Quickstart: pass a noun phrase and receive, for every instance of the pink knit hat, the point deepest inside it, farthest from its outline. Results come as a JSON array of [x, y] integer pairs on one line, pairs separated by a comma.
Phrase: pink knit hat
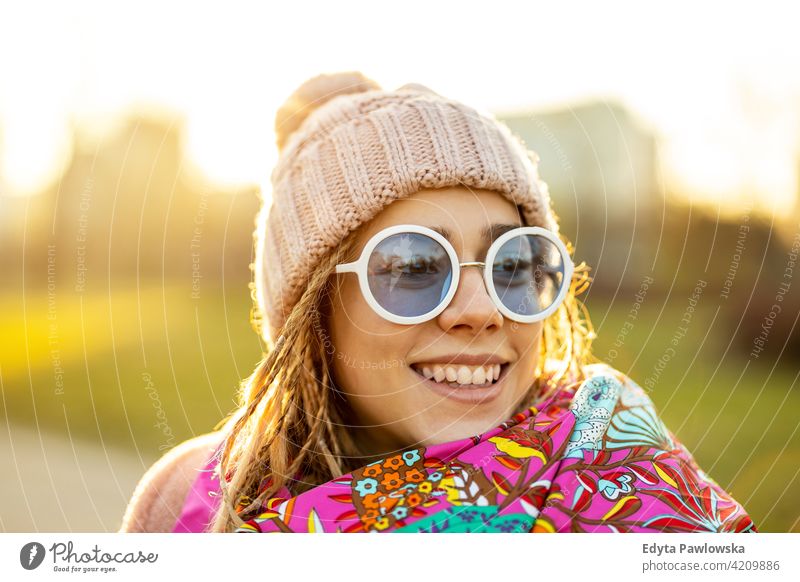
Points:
[[348, 149]]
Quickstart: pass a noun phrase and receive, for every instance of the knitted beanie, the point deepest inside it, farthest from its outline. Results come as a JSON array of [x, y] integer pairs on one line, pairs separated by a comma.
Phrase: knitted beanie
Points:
[[349, 148]]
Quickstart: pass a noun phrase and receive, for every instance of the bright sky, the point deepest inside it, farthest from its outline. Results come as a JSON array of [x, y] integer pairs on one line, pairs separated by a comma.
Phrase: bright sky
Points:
[[721, 88]]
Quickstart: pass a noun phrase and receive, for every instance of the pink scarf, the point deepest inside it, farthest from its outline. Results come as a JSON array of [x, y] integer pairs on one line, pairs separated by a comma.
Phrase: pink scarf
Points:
[[593, 457]]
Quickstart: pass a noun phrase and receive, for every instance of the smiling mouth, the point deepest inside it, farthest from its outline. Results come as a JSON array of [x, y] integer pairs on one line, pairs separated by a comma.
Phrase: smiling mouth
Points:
[[462, 376]]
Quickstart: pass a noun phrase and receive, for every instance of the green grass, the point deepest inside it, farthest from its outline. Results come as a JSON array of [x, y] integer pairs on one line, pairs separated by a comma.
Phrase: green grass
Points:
[[737, 418], [130, 361]]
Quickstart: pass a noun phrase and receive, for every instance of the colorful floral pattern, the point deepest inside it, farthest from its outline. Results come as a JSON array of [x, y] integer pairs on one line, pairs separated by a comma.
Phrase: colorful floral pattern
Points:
[[594, 457]]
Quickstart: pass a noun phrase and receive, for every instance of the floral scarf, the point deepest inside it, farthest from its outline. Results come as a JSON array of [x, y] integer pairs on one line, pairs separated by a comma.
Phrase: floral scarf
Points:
[[593, 457]]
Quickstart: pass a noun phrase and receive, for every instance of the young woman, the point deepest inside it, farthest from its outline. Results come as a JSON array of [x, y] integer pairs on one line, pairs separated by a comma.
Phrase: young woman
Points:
[[428, 364]]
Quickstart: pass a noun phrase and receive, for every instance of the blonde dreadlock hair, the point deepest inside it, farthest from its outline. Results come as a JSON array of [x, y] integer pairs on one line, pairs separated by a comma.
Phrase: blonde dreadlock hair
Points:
[[292, 419]]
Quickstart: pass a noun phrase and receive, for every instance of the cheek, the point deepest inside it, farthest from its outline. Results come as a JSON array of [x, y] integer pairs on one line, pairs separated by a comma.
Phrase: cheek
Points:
[[530, 337], [526, 341], [351, 316], [367, 349]]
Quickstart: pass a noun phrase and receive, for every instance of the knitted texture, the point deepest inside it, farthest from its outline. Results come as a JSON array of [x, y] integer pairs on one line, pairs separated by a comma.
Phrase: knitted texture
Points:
[[358, 148]]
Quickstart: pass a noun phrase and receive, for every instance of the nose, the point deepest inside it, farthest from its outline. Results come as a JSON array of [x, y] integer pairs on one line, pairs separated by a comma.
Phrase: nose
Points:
[[471, 309]]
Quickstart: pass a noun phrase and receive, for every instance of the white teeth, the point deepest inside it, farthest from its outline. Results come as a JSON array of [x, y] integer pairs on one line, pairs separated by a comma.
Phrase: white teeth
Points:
[[462, 375]]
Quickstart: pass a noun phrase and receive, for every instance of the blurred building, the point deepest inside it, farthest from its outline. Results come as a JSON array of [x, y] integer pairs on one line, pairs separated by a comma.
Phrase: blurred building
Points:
[[601, 167], [129, 206]]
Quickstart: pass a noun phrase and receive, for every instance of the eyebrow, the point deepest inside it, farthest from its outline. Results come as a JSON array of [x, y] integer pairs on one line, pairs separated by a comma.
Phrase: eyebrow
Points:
[[488, 233]]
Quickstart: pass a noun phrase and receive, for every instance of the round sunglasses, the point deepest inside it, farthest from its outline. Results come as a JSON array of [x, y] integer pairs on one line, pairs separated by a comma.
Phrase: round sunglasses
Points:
[[409, 273]]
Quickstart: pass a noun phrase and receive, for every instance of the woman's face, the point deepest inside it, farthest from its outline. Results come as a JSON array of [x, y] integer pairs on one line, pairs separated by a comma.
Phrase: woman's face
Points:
[[380, 365]]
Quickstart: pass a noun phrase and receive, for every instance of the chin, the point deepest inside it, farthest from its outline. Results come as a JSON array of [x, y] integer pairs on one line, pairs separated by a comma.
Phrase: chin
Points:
[[464, 426]]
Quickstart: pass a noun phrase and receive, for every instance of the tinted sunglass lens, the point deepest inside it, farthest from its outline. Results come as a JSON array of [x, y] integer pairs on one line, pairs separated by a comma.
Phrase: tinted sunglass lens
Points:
[[409, 274], [528, 273]]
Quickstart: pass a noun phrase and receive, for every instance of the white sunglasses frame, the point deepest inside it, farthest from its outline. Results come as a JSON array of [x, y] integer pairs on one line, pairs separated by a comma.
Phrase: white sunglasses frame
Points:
[[359, 267]]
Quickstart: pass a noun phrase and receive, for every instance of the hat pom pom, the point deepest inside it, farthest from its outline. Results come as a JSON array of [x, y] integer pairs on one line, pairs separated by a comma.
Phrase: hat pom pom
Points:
[[311, 95]]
